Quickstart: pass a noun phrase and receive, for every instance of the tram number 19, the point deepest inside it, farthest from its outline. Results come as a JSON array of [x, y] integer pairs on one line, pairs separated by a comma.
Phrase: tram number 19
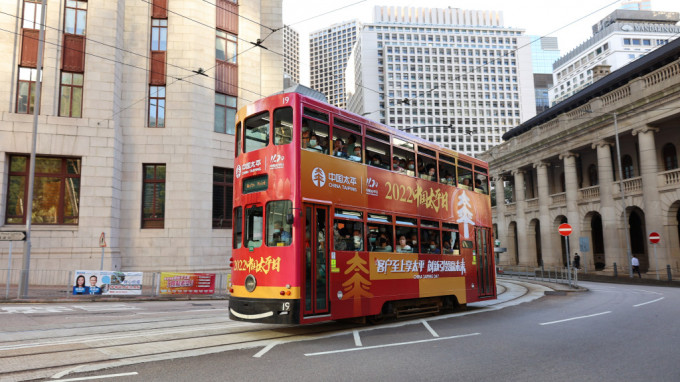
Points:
[[285, 306]]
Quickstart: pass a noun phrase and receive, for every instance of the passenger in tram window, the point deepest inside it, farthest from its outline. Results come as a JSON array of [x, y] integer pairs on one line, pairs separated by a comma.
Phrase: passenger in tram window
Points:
[[339, 239], [356, 156], [376, 161], [339, 148], [449, 180], [431, 173], [314, 143], [434, 248], [466, 182], [396, 166], [372, 241], [383, 246], [402, 246], [414, 240], [402, 163], [306, 134], [351, 144], [447, 248], [323, 142], [410, 168], [357, 241]]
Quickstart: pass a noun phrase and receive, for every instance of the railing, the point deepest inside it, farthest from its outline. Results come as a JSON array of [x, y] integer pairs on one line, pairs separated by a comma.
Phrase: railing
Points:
[[590, 193], [632, 186], [558, 199], [662, 74], [616, 95], [511, 207], [671, 177], [532, 204], [558, 275], [51, 284]]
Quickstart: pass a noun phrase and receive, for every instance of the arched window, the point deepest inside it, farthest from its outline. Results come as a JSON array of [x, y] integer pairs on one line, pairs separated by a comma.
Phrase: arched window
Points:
[[627, 165], [670, 158], [592, 175]]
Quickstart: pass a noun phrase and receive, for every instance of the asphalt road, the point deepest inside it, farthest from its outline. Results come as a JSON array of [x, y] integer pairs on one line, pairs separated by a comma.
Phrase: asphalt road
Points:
[[610, 333]]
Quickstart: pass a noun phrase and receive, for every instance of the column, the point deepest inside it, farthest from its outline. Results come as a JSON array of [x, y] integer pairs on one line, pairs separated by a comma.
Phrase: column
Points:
[[501, 224], [571, 185], [550, 258], [614, 252], [654, 217], [522, 250]]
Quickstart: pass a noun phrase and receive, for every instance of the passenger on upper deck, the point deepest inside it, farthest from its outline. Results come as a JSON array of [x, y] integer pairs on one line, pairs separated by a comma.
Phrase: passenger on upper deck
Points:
[[434, 248], [396, 167], [351, 143], [339, 148], [402, 246], [383, 246], [314, 143], [356, 156], [376, 161], [410, 168]]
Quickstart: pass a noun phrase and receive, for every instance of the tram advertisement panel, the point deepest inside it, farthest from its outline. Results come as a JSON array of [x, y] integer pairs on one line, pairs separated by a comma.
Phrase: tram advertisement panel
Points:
[[341, 181]]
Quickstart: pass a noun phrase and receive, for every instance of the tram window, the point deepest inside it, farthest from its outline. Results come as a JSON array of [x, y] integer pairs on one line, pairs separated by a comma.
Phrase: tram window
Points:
[[407, 239], [465, 175], [341, 145], [238, 228], [279, 232], [481, 183], [377, 135], [450, 242], [238, 139], [377, 153], [380, 233], [403, 160], [423, 150], [314, 136], [315, 114], [347, 125], [447, 173], [348, 235], [406, 221], [430, 242], [427, 168], [283, 126], [257, 132], [253, 236]]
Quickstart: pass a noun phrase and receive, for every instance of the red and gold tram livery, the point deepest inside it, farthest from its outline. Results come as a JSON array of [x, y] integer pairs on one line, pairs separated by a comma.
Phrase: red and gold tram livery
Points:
[[294, 259]]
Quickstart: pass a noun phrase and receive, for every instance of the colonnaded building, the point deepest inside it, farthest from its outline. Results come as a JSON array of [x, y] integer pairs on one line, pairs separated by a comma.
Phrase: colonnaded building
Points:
[[135, 132], [562, 166]]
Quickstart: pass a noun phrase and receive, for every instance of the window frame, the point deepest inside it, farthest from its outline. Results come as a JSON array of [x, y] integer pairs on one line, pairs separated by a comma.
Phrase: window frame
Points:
[[32, 88], [159, 100], [154, 222], [36, 17], [76, 12], [230, 44], [159, 43], [227, 183], [227, 107], [72, 87]]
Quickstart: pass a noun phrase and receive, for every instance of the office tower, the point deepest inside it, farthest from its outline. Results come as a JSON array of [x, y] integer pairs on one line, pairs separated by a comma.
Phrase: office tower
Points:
[[291, 60], [455, 77], [329, 49], [544, 52]]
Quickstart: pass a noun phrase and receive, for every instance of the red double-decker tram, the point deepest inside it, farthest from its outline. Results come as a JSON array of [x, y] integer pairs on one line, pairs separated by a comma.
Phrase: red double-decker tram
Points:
[[336, 216]]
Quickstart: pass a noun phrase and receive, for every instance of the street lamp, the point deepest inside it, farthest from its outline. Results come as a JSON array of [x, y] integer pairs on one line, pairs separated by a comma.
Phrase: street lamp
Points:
[[622, 189]]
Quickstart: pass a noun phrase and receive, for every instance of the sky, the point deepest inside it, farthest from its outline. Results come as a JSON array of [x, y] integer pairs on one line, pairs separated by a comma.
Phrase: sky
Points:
[[570, 21]]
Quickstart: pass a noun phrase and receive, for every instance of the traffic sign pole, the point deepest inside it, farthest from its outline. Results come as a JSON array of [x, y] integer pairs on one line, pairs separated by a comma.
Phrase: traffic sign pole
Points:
[[654, 239], [565, 230]]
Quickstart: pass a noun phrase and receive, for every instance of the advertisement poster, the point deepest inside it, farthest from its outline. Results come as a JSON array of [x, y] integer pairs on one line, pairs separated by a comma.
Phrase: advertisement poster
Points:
[[187, 283], [107, 283]]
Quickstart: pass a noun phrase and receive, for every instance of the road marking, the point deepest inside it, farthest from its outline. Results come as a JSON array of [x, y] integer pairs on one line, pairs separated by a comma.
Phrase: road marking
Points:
[[648, 302], [390, 345], [66, 372], [357, 339], [99, 377], [428, 327], [574, 318], [265, 350]]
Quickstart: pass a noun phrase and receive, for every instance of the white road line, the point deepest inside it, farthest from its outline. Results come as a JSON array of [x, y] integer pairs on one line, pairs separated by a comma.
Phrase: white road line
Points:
[[180, 311], [574, 318], [265, 350], [66, 372], [389, 345], [99, 377], [357, 339], [648, 302], [429, 328]]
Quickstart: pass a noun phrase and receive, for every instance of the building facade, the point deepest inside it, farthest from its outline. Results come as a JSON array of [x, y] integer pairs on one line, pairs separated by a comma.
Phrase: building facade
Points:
[[329, 50], [618, 39], [562, 166], [544, 51], [455, 77], [135, 131], [291, 60]]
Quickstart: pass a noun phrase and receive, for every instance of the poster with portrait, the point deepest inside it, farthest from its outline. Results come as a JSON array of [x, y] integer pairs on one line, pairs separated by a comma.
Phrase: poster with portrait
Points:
[[107, 283]]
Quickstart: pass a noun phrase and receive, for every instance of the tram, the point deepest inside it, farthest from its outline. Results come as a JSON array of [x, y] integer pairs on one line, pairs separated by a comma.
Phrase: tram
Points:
[[336, 217]]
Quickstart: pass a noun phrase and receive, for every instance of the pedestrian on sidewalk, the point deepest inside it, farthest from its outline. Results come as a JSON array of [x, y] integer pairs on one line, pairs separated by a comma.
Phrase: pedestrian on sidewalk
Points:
[[577, 261], [635, 263]]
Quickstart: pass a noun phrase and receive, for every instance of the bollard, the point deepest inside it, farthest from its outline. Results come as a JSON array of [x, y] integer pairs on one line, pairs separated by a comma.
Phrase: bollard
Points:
[[668, 270], [616, 272], [542, 278]]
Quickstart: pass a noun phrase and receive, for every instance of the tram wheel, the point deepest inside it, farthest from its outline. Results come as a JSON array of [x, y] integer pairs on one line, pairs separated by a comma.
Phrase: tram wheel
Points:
[[375, 320]]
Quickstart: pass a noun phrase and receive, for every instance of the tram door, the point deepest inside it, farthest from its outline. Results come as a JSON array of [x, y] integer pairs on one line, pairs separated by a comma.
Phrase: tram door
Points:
[[485, 271], [316, 259]]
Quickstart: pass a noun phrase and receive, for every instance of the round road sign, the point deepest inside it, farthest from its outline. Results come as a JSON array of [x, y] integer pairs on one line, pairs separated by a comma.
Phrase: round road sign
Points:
[[654, 237], [564, 229]]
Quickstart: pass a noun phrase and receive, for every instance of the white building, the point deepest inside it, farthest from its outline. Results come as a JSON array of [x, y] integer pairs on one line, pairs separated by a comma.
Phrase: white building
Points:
[[455, 77], [135, 132], [621, 37], [329, 50], [291, 52]]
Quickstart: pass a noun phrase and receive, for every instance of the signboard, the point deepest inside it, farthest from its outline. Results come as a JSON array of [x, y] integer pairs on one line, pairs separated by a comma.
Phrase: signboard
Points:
[[584, 244], [255, 184], [564, 229], [13, 236], [107, 283], [654, 237], [187, 283]]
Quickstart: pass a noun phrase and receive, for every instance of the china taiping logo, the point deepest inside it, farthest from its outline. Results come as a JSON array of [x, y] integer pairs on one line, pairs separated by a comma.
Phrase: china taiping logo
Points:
[[238, 171], [318, 177]]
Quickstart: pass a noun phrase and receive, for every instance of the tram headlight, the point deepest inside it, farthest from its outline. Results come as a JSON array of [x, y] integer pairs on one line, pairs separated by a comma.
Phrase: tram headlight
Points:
[[251, 283]]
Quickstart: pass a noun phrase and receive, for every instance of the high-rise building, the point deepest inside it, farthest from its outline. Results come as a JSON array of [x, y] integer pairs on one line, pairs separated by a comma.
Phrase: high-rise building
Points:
[[136, 128], [621, 37], [455, 77], [329, 50], [637, 5], [291, 59], [544, 52]]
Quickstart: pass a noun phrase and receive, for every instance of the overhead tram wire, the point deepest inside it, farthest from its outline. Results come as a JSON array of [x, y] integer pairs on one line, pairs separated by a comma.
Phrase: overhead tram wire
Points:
[[326, 13], [241, 16]]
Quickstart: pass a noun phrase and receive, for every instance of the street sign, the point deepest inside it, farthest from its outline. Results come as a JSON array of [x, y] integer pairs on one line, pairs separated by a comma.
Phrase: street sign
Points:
[[654, 237], [102, 240], [13, 236], [564, 229]]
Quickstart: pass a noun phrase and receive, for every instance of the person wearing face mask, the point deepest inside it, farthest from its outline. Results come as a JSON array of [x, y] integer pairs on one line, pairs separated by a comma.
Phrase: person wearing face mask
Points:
[[280, 234], [375, 161], [383, 246], [414, 240], [356, 155], [402, 246], [357, 241], [314, 143], [431, 172], [411, 167], [433, 248]]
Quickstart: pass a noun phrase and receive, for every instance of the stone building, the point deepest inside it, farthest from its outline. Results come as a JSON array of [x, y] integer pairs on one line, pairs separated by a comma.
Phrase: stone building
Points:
[[135, 132], [563, 166]]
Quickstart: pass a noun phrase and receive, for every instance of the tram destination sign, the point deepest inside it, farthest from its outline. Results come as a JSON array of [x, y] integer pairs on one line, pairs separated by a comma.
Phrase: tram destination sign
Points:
[[255, 184], [13, 236]]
